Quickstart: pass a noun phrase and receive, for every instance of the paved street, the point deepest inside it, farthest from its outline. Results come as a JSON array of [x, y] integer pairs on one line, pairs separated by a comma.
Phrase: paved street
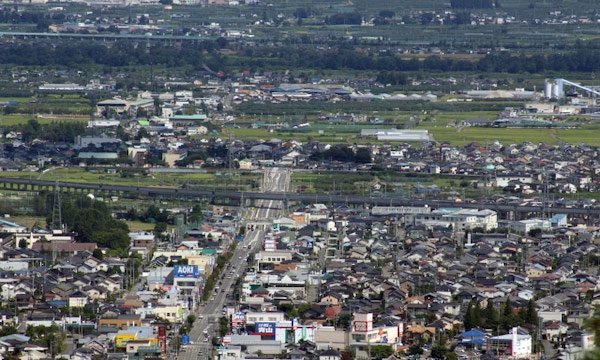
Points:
[[275, 180]]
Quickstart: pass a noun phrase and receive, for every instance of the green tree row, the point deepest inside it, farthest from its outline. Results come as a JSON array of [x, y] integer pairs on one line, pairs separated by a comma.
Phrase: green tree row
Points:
[[56, 131], [93, 222], [343, 153], [499, 319], [204, 53]]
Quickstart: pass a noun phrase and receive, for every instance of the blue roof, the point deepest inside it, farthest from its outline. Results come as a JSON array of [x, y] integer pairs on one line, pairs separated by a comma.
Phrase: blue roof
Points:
[[478, 341], [189, 117], [558, 217], [9, 224], [473, 333]]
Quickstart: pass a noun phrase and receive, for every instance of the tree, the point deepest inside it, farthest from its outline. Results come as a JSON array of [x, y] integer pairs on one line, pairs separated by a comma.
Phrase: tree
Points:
[[387, 13], [593, 324], [531, 316], [8, 330], [223, 326], [477, 314], [491, 315], [535, 232], [98, 254], [51, 337], [363, 156], [507, 320], [160, 228], [468, 319], [93, 222], [121, 134], [451, 355], [426, 18], [414, 350], [142, 133], [343, 320], [392, 78], [438, 352], [379, 352], [190, 320], [196, 214]]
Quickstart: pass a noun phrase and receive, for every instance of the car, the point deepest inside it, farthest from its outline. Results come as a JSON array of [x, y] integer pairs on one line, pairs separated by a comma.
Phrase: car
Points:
[[205, 340]]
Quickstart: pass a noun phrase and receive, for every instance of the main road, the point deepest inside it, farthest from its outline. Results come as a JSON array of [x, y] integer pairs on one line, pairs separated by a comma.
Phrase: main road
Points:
[[207, 321]]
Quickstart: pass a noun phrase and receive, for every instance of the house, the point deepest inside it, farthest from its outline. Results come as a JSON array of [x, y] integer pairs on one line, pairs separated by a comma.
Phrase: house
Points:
[[11, 227], [95, 292], [246, 164], [473, 338], [142, 239], [121, 321], [331, 299], [8, 318], [330, 354], [78, 299]]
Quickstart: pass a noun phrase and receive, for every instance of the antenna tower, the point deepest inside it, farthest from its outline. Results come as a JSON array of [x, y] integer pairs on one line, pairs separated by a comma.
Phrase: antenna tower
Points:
[[56, 209]]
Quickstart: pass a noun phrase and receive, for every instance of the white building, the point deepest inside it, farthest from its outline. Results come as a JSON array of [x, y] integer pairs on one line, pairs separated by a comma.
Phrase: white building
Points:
[[11, 227], [514, 344], [524, 226], [363, 333], [264, 317], [460, 219]]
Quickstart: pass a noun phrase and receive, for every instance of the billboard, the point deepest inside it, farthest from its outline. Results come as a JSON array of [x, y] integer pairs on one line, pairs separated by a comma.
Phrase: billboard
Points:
[[264, 328], [186, 271]]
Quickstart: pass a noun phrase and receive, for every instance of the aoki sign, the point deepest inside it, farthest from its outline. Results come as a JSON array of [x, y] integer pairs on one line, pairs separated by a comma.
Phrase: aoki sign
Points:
[[186, 271]]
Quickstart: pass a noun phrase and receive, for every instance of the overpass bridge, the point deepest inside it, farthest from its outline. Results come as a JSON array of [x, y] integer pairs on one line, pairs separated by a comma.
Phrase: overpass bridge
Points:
[[238, 197]]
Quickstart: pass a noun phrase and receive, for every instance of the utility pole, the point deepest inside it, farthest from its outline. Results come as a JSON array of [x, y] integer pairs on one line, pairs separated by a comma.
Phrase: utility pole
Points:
[[230, 144]]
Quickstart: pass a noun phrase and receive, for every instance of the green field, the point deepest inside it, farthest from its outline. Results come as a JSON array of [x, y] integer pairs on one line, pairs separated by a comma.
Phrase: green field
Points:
[[19, 119], [465, 136]]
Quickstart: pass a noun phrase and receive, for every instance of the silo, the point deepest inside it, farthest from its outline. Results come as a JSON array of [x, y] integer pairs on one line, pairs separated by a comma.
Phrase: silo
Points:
[[560, 92], [547, 89], [555, 93]]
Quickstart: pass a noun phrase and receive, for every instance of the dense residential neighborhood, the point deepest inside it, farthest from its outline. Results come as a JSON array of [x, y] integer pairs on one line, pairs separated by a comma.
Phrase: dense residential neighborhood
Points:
[[327, 280], [321, 180]]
